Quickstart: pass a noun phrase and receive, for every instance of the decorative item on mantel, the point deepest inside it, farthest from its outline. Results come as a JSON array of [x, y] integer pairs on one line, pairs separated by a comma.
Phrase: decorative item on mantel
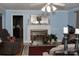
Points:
[[39, 19]]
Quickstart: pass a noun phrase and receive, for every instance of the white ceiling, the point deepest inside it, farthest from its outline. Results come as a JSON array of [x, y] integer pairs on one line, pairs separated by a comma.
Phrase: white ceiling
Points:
[[34, 6]]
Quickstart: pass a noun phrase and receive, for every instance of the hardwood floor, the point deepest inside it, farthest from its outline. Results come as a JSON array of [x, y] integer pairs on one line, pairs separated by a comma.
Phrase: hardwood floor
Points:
[[25, 50]]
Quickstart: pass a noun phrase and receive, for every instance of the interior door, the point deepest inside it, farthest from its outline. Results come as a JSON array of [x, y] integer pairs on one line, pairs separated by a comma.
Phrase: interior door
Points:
[[0, 21], [18, 31]]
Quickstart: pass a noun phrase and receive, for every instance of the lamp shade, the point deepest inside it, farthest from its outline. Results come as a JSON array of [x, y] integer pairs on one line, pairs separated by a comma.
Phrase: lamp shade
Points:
[[65, 30], [77, 31], [54, 8], [48, 9], [43, 9]]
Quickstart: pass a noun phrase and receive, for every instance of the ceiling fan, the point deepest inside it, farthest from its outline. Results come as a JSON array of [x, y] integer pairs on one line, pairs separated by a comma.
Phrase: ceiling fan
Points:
[[49, 7]]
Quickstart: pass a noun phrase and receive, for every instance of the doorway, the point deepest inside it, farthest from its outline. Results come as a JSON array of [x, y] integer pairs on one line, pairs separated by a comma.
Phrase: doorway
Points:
[[0, 21], [18, 31]]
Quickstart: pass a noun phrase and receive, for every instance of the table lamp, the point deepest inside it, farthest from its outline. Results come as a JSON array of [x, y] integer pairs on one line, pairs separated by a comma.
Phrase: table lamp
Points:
[[65, 31]]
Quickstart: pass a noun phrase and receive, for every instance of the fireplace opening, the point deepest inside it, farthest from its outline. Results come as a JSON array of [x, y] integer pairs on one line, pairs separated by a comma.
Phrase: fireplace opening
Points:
[[38, 36]]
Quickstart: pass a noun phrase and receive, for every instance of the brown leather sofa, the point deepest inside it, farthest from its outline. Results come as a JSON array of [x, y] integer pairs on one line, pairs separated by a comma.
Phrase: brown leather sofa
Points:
[[9, 45]]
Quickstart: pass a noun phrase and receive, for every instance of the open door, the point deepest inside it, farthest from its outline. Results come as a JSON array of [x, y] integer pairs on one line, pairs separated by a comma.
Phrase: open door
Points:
[[18, 31], [0, 21]]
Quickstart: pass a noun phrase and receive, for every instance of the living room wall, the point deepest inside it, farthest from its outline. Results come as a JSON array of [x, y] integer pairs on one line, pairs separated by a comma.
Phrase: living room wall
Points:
[[57, 22], [26, 17], [72, 16]]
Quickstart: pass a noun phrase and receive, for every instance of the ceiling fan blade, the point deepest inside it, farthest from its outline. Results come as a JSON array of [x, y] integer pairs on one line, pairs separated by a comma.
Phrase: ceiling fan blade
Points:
[[59, 4], [35, 4]]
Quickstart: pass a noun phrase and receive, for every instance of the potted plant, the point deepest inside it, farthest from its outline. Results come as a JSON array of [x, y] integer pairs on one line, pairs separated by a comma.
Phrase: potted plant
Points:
[[52, 37]]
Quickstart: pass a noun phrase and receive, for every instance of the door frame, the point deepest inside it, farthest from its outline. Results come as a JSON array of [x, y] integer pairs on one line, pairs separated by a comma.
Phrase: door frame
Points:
[[12, 23]]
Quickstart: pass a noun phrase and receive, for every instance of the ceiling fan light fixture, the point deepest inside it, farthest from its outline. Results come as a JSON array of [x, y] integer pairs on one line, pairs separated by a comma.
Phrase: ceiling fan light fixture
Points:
[[48, 9], [43, 9], [54, 8]]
